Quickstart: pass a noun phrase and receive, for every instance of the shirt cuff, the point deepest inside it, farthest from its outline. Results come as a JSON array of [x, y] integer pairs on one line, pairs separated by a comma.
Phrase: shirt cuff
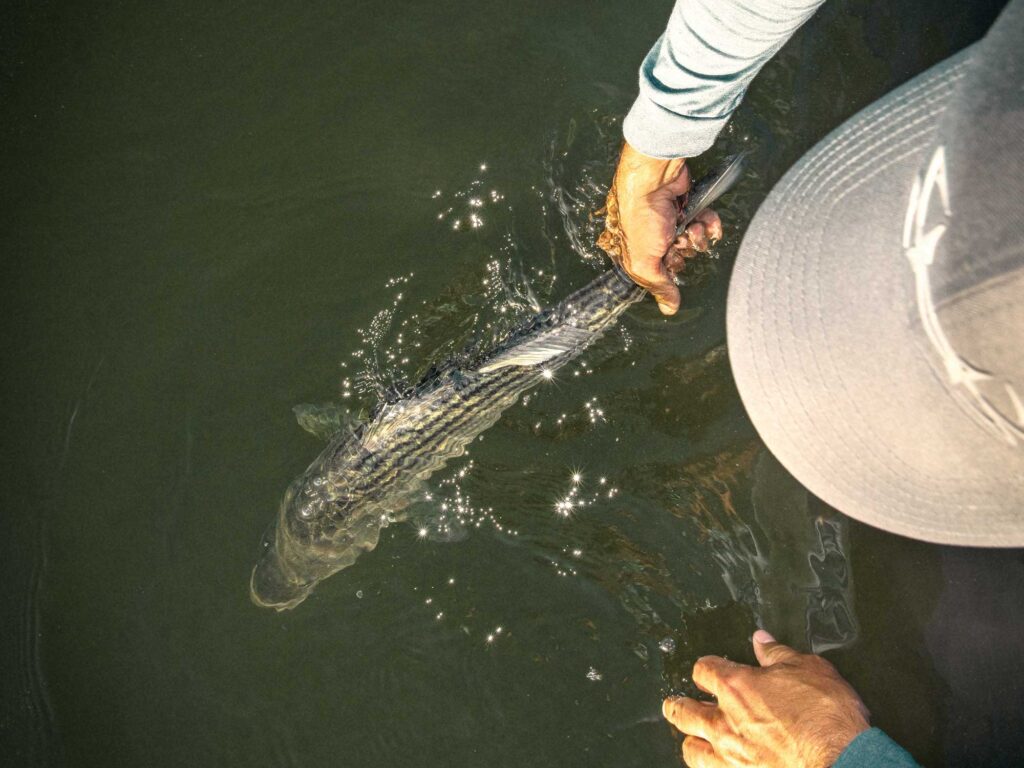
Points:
[[656, 132], [872, 748]]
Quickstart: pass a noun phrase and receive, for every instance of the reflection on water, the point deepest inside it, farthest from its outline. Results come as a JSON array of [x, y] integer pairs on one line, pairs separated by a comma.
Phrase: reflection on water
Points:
[[202, 206], [805, 581]]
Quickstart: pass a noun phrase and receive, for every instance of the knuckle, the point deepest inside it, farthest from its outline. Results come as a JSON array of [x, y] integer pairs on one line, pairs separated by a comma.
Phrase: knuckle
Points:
[[704, 666], [735, 681], [730, 744], [821, 665]]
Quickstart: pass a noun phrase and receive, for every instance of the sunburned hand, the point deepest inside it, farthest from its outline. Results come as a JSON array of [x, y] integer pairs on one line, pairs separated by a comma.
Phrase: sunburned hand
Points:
[[642, 213], [793, 712]]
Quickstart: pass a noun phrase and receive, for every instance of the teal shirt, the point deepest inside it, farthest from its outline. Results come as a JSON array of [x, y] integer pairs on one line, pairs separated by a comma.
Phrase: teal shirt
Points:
[[873, 749]]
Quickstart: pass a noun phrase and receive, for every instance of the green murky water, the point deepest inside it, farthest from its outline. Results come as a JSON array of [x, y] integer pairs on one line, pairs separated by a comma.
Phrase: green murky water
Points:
[[206, 209]]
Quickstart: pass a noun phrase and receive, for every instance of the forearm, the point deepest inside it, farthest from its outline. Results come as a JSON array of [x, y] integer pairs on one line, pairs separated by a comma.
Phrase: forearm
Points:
[[698, 71]]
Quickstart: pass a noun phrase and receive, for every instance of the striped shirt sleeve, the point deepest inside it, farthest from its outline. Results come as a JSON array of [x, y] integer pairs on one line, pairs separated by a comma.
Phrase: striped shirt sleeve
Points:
[[697, 72]]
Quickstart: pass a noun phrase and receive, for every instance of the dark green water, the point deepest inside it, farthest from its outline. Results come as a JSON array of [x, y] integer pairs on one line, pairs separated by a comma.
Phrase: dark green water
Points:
[[202, 204]]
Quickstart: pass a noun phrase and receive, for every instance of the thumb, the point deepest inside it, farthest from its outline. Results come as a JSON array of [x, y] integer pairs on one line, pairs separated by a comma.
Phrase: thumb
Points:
[[666, 294], [769, 651]]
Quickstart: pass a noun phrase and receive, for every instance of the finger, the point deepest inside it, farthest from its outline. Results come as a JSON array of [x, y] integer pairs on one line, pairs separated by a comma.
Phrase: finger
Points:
[[692, 717], [681, 250], [769, 651], [712, 224], [676, 258], [682, 243], [700, 754], [710, 672], [696, 235]]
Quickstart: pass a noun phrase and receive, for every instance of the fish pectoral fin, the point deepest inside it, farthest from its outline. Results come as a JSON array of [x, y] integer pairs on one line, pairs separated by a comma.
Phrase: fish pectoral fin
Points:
[[323, 421], [540, 349]]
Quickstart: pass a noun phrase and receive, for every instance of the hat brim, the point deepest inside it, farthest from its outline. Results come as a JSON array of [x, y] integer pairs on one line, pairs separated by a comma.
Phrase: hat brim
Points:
[[826, 347]]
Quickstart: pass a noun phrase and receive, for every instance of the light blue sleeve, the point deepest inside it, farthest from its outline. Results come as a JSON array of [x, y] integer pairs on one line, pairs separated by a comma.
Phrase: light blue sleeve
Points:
[[697, 72], [873, 749]]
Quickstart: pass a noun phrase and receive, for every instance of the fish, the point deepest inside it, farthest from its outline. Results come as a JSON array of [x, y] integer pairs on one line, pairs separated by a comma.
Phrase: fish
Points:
[[372, 470]]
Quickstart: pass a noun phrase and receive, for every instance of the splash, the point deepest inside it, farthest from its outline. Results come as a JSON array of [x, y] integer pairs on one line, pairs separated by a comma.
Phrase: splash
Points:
[[579, 163], [447, 512], [386, 348]]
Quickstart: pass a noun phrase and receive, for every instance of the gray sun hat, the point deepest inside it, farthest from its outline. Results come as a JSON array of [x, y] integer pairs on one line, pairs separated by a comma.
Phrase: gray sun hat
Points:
[[876, 308]]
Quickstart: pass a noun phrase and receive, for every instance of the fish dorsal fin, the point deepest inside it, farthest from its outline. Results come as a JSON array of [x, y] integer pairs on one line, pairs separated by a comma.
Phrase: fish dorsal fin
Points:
[[540, 349], [324, 421]]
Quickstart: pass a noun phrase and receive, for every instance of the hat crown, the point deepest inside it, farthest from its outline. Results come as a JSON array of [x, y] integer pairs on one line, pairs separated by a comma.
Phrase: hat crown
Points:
[[964, 235]]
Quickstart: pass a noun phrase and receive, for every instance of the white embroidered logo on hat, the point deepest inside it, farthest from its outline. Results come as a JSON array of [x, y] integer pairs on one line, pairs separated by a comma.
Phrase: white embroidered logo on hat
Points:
[[919, 247]]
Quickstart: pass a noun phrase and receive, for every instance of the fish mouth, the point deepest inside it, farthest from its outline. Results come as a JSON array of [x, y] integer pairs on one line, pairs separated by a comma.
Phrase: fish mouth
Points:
[[270, 586]]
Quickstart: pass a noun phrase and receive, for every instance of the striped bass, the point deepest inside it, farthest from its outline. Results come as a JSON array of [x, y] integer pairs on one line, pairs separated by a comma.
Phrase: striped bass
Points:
[[335, 510]]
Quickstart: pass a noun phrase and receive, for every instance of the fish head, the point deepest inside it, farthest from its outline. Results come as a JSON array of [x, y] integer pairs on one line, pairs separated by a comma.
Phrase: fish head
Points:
[[281, 579], [319, 530], [273, 583]]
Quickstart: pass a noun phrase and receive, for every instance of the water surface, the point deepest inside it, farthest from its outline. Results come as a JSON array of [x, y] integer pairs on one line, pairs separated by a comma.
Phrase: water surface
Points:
[[211, 214]]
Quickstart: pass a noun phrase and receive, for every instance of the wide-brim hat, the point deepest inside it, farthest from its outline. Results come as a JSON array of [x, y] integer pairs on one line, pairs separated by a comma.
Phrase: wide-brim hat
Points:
[[876, 308]]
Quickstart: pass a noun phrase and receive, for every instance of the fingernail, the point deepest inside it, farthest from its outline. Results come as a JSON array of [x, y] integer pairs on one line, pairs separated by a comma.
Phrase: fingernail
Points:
[[665, 309], [666, 704], [761, 637]]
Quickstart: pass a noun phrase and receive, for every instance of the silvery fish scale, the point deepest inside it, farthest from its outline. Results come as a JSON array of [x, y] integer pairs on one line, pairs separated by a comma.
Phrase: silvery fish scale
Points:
[[367, 474]]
